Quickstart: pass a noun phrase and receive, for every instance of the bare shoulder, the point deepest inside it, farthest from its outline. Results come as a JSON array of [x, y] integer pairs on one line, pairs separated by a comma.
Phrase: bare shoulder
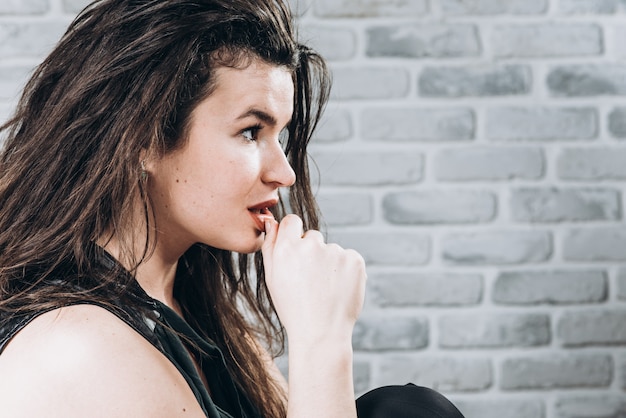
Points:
[[84, 361]]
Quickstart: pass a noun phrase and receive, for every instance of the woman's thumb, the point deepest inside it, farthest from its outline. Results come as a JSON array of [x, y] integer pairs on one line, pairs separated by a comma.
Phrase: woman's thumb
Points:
[[271, 232]]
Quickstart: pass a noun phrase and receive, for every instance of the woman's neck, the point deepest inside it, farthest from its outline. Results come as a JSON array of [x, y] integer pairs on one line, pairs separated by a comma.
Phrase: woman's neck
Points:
[[156, 274]]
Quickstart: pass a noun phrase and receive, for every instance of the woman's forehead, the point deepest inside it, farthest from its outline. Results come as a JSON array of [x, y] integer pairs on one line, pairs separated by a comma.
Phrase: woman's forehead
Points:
[[265, 87]]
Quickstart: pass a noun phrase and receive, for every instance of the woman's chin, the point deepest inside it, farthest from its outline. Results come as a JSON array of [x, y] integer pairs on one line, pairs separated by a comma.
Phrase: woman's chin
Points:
[[242, 244], [249, 247]]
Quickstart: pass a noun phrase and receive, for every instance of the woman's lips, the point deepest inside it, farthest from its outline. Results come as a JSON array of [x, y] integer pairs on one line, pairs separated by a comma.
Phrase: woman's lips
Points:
[[260, 215]]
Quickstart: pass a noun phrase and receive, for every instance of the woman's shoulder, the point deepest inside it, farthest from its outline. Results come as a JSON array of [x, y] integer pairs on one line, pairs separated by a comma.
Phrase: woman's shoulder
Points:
[[82, 360]]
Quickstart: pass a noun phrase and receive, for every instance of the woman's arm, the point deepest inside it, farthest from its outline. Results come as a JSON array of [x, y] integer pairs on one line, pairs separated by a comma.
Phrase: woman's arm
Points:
[[82, 361], [318, 291]]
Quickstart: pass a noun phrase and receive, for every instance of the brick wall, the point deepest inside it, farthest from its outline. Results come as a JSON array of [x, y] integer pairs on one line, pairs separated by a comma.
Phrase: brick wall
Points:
[[474, 152]]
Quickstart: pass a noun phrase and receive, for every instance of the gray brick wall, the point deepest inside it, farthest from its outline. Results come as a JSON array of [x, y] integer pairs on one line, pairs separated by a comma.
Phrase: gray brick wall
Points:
[[474, 152]]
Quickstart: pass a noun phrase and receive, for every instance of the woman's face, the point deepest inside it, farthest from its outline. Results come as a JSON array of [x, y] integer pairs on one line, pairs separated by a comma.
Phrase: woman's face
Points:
[[216, 188]]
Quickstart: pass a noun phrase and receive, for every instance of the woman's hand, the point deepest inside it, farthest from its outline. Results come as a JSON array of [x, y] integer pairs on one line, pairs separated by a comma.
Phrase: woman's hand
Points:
[[317, 288], [318, 291]]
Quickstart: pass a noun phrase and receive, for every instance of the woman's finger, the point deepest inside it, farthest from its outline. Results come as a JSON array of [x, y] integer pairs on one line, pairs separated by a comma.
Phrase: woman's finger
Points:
[[290, 228], [271, 232]]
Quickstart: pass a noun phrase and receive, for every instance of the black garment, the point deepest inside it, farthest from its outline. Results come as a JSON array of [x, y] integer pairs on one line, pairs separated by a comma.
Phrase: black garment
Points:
[[407, 401]]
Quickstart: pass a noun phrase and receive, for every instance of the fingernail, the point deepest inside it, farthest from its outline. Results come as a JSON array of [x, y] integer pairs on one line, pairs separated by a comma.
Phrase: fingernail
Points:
[[268, 226]]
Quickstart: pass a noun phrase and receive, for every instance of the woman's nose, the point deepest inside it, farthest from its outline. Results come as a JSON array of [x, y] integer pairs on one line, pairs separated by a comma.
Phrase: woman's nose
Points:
[[277, 169]]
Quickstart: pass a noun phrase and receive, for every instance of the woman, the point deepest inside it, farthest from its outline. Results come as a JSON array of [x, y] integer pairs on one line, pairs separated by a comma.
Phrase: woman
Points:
[[142, 166]]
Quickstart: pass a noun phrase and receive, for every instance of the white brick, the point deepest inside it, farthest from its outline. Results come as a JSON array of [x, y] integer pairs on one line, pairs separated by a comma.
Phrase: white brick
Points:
[[489, 163], [547, 40], [617, 122], [496, 247], [542, 124], [587, 80], [556, 371], [423, 40], [390, 332], [550, 287], [368, 168], [592, 406], [563, 205], [382, 83], [417, 124], [425, 289], [606, 327], [595, 244], [439, 207], [475, 81], [494, 330], [592, 164]]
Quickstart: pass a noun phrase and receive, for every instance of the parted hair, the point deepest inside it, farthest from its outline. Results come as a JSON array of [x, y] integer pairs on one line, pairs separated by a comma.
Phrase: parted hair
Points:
[[124, 80]]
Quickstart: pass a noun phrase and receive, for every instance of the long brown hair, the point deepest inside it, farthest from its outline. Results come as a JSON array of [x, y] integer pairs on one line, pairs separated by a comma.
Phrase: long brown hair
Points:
[[124, 78]]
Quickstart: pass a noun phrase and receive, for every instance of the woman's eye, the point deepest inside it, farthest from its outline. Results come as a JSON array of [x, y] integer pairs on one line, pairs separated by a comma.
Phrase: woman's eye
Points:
[[251, 133]]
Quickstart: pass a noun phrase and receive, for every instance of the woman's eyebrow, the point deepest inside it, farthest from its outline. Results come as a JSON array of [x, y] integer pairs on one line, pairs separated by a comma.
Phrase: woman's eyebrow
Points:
[[262, 116], [259, 114]]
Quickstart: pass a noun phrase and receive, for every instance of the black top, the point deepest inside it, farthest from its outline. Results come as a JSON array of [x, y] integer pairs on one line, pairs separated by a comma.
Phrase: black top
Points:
[[160, 325]]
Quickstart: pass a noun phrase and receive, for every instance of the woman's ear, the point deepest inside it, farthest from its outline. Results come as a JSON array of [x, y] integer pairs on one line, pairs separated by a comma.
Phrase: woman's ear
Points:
[[146, 162]]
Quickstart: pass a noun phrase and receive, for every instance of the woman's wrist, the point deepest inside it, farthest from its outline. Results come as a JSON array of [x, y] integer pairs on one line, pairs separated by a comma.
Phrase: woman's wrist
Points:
[[321, 375], [326, 348]]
